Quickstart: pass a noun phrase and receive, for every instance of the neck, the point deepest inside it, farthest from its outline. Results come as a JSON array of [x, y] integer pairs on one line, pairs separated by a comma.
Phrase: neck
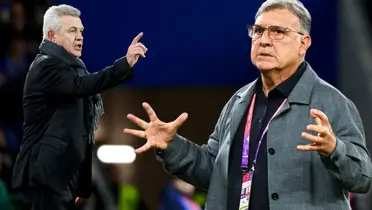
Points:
[[272, 78]]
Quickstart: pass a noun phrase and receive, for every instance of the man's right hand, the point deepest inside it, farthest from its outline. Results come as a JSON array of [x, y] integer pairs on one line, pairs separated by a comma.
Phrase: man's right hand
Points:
[[157, 133], [135, 50]]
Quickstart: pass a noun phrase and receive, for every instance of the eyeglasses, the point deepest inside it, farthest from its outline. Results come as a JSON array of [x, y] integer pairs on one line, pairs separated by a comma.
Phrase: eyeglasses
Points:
[[275, 32]]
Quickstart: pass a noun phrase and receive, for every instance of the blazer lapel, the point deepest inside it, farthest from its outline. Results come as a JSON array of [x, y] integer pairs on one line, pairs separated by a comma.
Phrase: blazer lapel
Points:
[[237, 112], [301, 93], [240, 107]]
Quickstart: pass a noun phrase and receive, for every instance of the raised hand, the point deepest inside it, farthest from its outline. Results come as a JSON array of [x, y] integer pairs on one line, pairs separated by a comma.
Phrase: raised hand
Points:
[[157, 133], [135, 50], [325, 141]]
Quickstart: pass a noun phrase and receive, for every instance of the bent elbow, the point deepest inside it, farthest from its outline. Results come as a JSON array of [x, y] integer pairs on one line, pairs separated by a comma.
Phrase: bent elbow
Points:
[[363, 186]]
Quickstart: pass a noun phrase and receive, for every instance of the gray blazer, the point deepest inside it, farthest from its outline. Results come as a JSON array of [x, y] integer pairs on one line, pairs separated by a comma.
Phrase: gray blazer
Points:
[[303, 180]]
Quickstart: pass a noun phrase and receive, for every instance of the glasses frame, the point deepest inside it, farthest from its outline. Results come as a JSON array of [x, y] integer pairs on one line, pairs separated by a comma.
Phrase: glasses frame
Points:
[[285, 29]]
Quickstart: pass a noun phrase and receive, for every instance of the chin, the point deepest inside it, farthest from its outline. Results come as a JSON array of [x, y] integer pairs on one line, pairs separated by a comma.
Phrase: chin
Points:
[[265, 66], [76, 54]]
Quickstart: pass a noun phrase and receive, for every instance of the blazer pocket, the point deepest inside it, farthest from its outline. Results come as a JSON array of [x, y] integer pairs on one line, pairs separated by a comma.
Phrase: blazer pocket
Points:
[[51, 167]]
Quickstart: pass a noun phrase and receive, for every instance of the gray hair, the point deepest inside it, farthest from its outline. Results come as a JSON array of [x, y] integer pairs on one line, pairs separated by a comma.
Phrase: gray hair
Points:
[[294, 6], [53, 14]]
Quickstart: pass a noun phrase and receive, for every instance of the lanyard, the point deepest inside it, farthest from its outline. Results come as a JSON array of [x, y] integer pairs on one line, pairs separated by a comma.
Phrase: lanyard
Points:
[[245, 153]]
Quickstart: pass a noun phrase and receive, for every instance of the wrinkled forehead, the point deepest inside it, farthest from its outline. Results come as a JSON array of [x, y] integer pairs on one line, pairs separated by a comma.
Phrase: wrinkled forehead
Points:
[[71, 22], [278, 17]]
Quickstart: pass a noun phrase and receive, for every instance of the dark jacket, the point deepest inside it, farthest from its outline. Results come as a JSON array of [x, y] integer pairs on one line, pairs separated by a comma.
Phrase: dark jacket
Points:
[[57, 119]]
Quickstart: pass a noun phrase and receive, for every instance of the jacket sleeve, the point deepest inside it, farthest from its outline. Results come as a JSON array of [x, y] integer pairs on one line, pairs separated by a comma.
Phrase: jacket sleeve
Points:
[[55, 78], [191, 162], [350, 162]]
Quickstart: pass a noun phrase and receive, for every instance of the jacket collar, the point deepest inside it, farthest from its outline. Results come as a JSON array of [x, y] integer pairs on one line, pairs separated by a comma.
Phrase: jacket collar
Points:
[[300, 94], [55, 50]]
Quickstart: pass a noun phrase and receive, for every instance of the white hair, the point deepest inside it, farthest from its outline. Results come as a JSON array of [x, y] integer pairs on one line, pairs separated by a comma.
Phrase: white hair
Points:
[[53, 14], [294, 6]]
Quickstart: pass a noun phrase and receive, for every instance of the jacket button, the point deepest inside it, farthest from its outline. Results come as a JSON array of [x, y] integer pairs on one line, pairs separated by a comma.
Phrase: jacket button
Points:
[[271, 151], [275, 196]]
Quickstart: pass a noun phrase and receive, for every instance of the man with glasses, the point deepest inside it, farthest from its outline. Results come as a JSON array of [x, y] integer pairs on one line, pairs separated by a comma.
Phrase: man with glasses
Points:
[[288, 140]]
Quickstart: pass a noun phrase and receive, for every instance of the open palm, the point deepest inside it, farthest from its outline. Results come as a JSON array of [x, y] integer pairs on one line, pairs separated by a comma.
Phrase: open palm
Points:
[[157, 133]]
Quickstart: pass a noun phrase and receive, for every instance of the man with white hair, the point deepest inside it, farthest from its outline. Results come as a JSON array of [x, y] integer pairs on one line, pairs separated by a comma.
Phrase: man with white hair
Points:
[[61, 110]]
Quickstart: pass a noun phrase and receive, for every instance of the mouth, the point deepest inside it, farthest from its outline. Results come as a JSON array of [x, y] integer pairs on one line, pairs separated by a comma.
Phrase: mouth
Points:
[[79, 47], [265, 55]]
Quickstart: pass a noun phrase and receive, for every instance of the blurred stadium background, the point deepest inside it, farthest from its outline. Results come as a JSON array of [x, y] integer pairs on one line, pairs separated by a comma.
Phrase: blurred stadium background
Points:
[[198, 57]]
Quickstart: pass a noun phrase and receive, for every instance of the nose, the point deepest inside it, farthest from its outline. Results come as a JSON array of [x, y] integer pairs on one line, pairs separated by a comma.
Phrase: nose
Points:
[[79, 36], [265, 40]]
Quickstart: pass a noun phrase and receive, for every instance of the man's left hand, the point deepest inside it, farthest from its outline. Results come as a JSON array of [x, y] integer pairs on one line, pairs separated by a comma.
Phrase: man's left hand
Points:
[[325, 141]]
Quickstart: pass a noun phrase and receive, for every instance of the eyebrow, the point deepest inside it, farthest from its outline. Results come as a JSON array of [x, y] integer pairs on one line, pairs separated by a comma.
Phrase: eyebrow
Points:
[[74, 27], [262, 25], [268, 25]]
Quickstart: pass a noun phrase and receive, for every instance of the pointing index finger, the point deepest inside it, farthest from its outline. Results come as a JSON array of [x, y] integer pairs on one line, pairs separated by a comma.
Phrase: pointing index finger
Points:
[[137, 38]]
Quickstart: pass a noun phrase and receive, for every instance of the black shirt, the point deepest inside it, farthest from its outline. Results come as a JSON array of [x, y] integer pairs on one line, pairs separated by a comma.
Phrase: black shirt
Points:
[[264, 109]]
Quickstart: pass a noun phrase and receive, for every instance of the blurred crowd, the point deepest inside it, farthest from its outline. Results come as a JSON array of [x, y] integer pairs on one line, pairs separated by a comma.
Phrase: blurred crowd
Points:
[[21, 23]]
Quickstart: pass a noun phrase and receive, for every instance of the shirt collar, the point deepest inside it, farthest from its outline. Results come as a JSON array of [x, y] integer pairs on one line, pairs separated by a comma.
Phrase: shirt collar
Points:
[[286, 87]]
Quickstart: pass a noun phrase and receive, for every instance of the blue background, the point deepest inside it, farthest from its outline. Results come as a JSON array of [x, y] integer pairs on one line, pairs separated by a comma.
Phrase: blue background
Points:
[[193, 42]]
